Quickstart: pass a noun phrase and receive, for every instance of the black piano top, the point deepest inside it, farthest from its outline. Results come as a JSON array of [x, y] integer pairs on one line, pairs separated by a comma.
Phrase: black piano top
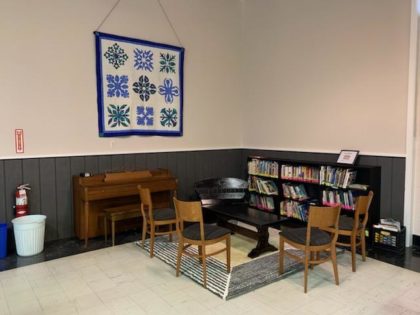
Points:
[[227, 188]]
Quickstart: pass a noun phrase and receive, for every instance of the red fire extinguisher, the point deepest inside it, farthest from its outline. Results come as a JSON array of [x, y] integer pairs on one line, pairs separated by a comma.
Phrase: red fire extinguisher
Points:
[[22, 207]]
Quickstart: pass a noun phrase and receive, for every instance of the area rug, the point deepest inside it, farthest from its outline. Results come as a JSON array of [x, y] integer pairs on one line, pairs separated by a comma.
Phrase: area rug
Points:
[[243, 278]]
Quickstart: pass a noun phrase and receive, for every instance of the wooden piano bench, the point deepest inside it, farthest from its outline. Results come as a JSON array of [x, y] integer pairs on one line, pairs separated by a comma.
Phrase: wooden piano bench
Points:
[[118, 214]]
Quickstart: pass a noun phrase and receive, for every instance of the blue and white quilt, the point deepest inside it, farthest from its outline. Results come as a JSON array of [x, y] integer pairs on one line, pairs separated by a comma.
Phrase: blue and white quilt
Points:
[[140, 87]]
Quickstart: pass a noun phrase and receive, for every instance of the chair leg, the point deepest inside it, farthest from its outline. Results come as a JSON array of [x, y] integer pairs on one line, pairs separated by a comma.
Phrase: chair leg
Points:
[[200, 254], [305, 276], [113, 232], [334, 263], [179, 256], [203, 258], [152, 240], [363, 244], [312, 257], [228, 254], [353, 253], [106, 228], [281, 255], [170, 232], [143, 232]]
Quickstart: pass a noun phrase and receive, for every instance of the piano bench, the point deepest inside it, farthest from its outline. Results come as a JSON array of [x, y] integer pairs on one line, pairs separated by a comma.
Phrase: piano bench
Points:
[[118, 214]]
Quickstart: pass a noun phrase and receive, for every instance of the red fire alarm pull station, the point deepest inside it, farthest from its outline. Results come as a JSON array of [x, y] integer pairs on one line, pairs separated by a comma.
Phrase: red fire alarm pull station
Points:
[[19, 141]]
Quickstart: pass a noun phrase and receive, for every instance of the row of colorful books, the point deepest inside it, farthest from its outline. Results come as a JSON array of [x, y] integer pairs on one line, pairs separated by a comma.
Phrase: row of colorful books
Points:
[[338, 197], [294, 209], [261, 202], [294, 191], [265, 168], [262, 186], [336, 177], [302, 173]]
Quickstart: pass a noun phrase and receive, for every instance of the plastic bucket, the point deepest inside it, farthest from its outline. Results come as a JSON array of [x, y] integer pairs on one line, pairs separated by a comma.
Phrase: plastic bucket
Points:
[[3, 240], [29, 233]]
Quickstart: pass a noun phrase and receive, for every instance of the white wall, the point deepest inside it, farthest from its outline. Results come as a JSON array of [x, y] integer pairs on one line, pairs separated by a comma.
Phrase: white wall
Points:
[[416, 188], [306, 75], [326, 75], [315, 75], [48, 80]]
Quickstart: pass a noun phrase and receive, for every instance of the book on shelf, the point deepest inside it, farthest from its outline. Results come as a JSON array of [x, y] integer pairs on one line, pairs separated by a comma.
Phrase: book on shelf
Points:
[[322, 174], [389, 225], [351, 199], [269, 203], [294, 209], [299, 173], [294, 191], [262, 186], [336, 177], [346, 179], [386, 227], [301, 192], [262, 202], [335, 197], [270, 187], [265, 168], [286, 191]]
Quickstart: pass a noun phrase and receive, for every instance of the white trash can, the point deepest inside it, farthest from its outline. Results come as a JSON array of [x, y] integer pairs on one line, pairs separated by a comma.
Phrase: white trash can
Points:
[[29, 233]]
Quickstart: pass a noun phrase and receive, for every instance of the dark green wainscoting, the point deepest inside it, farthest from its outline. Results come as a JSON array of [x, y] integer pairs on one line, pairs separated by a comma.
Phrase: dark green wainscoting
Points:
[[51, 178]]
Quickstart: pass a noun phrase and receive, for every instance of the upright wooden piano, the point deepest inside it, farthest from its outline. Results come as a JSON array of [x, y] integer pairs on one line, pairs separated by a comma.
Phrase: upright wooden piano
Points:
[[93, 194]]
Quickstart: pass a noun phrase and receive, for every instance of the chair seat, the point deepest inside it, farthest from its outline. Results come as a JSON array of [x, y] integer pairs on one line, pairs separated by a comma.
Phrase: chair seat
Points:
[[211, 232], [298, 235], [164, 214]]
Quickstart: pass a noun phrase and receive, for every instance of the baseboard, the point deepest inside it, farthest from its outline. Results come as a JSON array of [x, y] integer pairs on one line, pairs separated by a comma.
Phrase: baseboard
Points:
[[416, 241]]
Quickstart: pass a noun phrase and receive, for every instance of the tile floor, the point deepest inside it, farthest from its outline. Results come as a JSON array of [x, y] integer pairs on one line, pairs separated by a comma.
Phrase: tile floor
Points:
[[124, 280]]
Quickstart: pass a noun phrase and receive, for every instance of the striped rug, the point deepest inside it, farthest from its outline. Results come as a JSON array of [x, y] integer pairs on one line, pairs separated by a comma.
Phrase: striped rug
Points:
[[243, 278]]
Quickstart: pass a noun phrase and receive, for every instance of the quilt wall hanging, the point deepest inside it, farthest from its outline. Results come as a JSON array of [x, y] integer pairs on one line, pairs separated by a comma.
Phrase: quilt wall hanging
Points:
[[140, 87]]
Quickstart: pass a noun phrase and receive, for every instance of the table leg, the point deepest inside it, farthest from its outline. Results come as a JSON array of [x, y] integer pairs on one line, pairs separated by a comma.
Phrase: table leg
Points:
[[86, 222], [262, 243]]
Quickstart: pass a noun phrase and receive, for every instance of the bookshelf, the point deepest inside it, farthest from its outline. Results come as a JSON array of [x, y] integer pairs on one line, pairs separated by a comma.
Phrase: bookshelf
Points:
[[262, 182], [295, 185]]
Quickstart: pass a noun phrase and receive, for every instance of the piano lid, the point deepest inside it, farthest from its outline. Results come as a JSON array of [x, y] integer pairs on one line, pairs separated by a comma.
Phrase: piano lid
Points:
[[116, 178], [126, 176]]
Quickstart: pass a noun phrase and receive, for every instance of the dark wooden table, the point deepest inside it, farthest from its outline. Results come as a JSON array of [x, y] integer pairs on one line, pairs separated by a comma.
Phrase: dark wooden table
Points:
[[261, 220]]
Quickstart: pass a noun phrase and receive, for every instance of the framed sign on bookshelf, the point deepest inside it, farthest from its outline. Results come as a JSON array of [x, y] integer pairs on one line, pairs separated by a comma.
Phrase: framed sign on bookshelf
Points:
[[347, 156]]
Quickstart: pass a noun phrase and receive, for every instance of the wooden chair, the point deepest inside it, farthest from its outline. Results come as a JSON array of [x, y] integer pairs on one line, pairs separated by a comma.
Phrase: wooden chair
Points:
[[319, 235], [155, 219], [198, 233], [354, 228]]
